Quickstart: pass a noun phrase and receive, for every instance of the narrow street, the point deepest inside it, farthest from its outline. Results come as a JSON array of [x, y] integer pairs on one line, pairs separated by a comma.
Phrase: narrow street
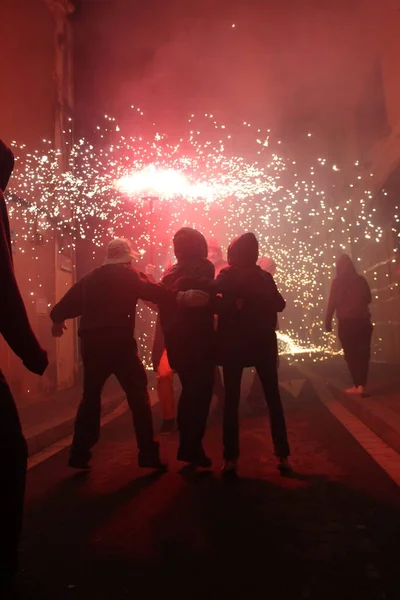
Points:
[[329, 532]]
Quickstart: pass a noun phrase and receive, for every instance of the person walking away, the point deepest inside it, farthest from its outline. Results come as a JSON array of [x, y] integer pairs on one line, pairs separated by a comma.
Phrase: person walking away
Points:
[[106, 299], [350, 297], [246, 337], [256, 393], [189, 339], [17, 332]]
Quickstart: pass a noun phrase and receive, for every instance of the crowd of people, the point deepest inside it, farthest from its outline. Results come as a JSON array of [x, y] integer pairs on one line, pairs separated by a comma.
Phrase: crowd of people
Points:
[[212, 315]]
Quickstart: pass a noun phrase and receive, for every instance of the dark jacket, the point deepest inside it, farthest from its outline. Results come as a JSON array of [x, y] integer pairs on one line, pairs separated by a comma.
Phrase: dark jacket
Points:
[[248, 309], [188, 332], [106, 299], [14, 322], [350, 294]]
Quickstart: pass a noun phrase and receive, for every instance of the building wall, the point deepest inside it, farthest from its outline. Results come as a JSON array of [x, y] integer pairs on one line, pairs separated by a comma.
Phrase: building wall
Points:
[[30, 112], [377, 134]]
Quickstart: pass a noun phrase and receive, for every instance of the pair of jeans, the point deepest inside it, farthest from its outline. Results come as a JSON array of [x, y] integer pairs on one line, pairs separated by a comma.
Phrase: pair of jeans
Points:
[[266, 369], [13, 463], [102, 358], [194, 404], [355, 337]]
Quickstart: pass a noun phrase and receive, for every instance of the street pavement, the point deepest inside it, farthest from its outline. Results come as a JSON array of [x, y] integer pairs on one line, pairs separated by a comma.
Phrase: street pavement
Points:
[[329, 532]]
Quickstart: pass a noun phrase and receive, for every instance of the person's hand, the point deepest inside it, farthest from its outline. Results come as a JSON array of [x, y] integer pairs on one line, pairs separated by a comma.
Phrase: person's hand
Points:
[[193, 298], [328, 327], [57, 329], [37, 363]]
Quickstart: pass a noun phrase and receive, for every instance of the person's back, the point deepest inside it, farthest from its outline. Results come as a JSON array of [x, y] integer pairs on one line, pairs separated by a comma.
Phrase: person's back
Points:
[[189, 340], [246, 337], [109, 297], [352, 297], [188, 332], [246, 325]]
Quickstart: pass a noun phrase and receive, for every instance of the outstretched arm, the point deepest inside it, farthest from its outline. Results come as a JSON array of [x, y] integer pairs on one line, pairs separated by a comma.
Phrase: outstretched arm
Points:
[[70, 305]]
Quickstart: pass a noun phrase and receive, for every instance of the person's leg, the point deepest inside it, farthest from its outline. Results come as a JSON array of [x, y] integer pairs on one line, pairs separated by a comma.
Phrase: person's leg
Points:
[[13, 460], [96, 370], [131, 374], [165, 391], [267, 371], [193, 408], [348, 337], [255, 398], [232, 381]]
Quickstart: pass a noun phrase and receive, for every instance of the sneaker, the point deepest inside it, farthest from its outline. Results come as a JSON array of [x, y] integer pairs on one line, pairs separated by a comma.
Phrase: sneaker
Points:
[[361, 390], [195, 459], [152, 463], [168, 427], [229, 467], [76, 462], [284, 466], [353, 390]]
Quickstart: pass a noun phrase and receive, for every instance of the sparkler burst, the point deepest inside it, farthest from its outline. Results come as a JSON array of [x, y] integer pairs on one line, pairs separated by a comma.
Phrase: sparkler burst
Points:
[[302, 215]]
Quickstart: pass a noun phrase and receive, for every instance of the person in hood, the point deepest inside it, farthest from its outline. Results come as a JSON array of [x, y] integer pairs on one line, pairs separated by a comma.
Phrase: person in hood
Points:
[[106, 299], [190, 342], [246, 338], [17, 332], [349, 298]]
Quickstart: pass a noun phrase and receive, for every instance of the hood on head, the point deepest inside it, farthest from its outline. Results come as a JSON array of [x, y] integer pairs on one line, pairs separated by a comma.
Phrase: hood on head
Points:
[[243, 251], [345, 267], [6, 165], [189, 244]]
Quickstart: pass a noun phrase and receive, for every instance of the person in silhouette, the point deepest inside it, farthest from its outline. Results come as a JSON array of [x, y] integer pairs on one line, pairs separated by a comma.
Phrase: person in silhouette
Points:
[[17, 332], [190, 343], [106, 300], [350, 297]]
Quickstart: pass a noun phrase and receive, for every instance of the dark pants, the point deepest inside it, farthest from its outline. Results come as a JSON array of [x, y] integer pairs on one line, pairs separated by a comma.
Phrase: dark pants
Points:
[[268, 374], [355, 336], [102, 358], [13, 460], [194, 405]]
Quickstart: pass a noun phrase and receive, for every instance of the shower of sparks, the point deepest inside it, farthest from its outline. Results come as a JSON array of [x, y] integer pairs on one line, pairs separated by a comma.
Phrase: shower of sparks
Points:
[[302, 216]]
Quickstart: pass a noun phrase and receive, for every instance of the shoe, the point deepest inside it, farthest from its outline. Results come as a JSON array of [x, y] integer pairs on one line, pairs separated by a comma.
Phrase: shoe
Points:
[[75, 462], [195, 459], [353, 391], [284, 466], [152, 463], [361, 390], [229, 467], [168, 427]]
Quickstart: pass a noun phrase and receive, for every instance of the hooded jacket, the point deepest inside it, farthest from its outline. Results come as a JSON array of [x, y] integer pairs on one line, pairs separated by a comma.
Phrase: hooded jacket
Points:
[[14, 322], [350, 294], [248, 310], [188, 332]]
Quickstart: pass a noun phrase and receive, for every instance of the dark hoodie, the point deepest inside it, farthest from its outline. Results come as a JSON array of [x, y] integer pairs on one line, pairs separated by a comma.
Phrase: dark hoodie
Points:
[[350, 293], [188, 332], [14, 323], [249, 306]]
